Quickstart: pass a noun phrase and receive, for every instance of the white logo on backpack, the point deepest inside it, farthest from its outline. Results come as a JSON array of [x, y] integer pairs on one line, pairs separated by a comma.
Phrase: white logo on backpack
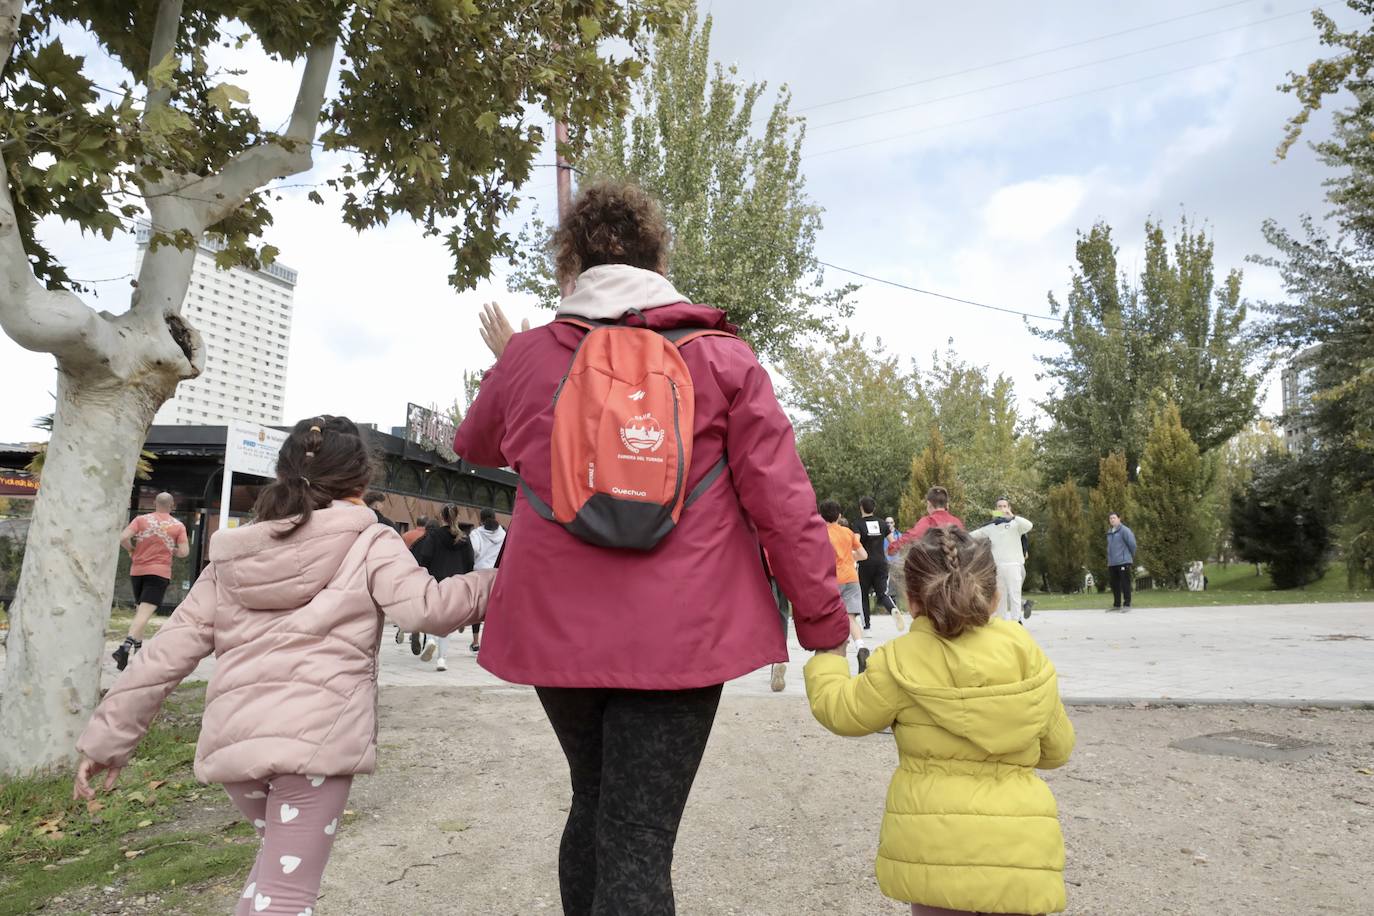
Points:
[[642, 434]]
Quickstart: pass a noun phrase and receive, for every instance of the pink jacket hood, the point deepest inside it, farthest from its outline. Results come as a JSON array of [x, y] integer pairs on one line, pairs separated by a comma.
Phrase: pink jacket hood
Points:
[[270, 573], [294, 624]]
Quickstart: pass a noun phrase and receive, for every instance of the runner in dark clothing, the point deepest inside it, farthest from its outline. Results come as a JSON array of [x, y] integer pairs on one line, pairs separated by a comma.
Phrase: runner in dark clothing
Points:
[[445, 551], [872, 532]]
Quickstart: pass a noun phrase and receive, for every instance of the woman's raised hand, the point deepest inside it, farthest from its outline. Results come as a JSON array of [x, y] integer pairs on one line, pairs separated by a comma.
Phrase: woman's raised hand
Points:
[[496, 328]]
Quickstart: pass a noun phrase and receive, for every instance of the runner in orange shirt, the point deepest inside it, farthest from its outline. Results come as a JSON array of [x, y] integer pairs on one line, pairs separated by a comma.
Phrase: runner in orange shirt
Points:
[[849, 552]]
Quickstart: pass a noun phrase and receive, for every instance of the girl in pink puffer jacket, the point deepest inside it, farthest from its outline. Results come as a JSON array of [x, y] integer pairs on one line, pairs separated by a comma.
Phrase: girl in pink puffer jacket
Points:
[[292, 609]]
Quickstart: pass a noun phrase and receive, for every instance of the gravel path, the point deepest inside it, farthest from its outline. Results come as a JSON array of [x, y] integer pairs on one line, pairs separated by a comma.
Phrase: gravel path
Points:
[[465, 816]]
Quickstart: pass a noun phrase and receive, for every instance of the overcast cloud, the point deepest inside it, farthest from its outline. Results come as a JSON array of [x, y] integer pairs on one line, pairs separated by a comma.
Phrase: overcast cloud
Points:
[[974, 188]]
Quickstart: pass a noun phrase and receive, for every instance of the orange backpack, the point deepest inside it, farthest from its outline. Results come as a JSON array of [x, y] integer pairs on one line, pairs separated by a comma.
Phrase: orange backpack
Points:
[[622, 436]]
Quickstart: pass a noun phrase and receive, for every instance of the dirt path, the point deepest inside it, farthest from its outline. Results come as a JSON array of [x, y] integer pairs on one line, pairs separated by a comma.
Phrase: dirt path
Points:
[[465, 816]]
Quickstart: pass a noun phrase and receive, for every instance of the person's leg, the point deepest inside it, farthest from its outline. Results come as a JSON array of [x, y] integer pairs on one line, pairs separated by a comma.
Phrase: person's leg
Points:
[[437, 645], [777, 680], [1127, 582], [476, 637], [1003, 591], [654, 742], [148, 593], [302, 815], [1016, 577], [880, 586], [1114, 574], [865, 587], [251, 800], [577, 718]]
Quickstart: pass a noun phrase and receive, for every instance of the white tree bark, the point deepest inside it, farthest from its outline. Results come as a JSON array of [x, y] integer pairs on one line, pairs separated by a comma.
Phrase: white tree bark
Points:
[[114, 372]]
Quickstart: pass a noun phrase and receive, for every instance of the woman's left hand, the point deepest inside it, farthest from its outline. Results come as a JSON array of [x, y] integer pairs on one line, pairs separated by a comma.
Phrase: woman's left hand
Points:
[[496, 328]]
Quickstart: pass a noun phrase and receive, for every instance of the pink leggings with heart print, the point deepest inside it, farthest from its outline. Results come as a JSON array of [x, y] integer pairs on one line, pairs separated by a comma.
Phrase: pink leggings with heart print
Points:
[[296, 817]]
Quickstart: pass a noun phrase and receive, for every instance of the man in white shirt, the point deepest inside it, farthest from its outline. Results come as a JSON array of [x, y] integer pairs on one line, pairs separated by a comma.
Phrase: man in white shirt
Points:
[[1004, 533], [487, 541]]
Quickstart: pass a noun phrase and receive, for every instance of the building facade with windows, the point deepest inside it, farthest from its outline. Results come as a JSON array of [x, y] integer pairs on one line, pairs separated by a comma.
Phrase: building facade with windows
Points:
[[244, 317], [1296, 389]]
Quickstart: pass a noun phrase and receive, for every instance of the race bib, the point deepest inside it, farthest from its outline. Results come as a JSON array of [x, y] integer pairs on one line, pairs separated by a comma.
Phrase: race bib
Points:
[[875, 528]]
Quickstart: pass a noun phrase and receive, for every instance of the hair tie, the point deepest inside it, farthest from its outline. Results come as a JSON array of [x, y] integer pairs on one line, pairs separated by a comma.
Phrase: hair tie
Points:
[[310, 454], [306, 479], [314, 429]]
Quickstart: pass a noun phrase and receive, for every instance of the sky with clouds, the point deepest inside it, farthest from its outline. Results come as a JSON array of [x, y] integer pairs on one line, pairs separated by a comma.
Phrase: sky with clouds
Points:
[[971, 179]]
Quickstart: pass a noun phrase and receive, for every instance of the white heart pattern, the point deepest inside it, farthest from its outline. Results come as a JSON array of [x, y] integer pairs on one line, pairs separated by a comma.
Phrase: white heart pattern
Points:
[[308, 911], [290, 864], [259, 823], [261, 902], [250, 890], [316, 781], [330, 827], [288, 813], [256, 795]]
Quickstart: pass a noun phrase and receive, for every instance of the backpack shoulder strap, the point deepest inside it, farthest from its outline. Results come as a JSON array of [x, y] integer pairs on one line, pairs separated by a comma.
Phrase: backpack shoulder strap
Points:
[[680, 337]]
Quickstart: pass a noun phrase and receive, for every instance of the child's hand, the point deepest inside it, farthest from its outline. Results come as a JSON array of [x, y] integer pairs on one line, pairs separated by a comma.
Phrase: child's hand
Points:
[[85, 770]]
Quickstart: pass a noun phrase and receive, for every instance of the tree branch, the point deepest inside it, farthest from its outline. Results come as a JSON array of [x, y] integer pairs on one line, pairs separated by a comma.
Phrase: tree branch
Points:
[[218, 195], [43, 320], [164, 42]]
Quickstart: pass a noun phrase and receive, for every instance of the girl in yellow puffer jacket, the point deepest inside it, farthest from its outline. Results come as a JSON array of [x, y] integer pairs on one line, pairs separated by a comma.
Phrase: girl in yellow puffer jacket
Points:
[[974, 705]]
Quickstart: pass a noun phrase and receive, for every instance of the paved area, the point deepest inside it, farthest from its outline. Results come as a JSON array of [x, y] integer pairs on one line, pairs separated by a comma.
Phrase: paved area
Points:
[[1315, 653]]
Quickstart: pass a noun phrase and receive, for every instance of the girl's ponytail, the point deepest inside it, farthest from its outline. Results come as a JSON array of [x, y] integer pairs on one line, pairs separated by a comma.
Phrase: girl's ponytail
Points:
[[323, 459], [951, 579]]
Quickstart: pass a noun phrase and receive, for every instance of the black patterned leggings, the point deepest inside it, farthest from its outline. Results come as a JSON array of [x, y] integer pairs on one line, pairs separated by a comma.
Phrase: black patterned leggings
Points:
[[633, 755]]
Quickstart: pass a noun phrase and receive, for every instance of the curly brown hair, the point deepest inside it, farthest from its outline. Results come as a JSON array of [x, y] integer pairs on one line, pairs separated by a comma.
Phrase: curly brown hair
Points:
[[611, 222], [951, 578]]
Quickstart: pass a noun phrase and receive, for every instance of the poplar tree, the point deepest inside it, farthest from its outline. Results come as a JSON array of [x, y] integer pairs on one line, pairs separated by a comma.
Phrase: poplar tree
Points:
[[1168, 499], [933, 467], [1065, 539]]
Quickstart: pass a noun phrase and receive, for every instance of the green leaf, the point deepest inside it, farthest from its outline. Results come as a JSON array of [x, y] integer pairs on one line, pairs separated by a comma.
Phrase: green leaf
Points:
[[590, 28], [61, 172], [487, 121], [225, 95], [162, 75], [428, 27], [268, 253]]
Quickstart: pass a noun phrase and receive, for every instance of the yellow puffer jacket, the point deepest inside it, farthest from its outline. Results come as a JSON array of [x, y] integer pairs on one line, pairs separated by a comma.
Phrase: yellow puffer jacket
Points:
[[969, 825]]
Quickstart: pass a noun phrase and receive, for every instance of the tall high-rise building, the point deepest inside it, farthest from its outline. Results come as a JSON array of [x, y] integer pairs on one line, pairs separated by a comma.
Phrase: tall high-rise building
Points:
[[1296, 390], [244, 317]]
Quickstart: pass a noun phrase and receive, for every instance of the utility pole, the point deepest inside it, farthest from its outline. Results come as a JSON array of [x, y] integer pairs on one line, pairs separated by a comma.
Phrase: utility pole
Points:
[[564, 169]]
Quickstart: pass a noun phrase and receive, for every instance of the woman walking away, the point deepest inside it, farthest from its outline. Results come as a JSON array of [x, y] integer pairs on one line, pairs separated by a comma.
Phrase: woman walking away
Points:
[[292, 608], [444, 551], [632, 586], [974, 706]]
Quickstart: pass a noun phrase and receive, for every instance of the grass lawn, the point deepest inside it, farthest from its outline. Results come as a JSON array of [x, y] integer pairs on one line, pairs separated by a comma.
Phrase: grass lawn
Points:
[[1236, 584], [160, 832]]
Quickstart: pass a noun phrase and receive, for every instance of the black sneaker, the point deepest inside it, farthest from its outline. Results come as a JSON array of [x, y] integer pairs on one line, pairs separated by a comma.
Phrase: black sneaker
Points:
[[1026, 608], [863, 660], [414, 643], [475, 647]]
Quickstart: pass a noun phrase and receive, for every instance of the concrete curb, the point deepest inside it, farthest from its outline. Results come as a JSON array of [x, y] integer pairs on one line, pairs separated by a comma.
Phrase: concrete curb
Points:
[[1217, 701]]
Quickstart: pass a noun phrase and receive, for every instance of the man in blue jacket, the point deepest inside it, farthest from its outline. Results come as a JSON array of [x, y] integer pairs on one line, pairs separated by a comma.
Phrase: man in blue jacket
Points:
[[1120, 558]]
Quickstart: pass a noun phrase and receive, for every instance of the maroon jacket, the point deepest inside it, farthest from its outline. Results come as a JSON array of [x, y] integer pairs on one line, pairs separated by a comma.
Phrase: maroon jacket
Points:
[[938, 518], [695, 611]]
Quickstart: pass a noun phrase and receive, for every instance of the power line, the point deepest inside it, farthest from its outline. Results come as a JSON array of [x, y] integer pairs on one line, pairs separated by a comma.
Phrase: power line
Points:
[[1061, 70], [1061, 98], [1029, 316], [1012, 60]]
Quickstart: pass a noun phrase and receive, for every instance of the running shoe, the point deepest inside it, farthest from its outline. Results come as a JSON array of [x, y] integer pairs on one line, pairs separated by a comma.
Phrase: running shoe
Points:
[[863, 660], [1026, 608], [400, 636], [430, 648], [475, 647], [414, 643], [900, 620], [441, 665], [778, 680], [121, 657]]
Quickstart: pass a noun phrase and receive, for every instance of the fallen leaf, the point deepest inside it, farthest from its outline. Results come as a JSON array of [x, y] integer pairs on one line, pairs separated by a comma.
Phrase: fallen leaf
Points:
[[454, 826], [1365, 771], [157, 784], [93, 806], [133, 853], [145, 823], [135, 796]]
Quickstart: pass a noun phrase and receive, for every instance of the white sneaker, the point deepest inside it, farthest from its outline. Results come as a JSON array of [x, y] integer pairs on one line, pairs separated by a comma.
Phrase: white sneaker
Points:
[[430, 648], [777, 680], [441, 665]]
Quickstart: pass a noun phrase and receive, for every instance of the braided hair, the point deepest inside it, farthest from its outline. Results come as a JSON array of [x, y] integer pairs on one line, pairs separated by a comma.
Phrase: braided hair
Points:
[[323, 459], [952, 580]]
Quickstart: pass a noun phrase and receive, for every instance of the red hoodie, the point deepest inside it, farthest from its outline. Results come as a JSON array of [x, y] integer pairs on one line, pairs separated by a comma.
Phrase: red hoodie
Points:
[[937, 519], [695, 611]]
